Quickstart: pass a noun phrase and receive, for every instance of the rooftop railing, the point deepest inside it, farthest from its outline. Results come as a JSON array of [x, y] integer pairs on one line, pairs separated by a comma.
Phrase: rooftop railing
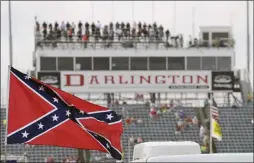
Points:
[[128, 42]]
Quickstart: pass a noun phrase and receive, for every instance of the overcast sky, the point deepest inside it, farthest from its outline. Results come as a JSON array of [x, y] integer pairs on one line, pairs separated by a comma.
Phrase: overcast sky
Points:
[[206, 13]]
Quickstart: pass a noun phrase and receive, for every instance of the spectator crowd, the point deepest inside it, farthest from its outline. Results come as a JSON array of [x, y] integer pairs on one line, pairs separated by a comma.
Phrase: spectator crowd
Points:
[[118, 32], [125, 33]]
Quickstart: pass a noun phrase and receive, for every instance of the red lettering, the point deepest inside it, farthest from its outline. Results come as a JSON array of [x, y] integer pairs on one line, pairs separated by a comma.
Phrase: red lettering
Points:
[[94, 78], [174, 78], [121, 80], [147, 80], [132, 79], [109, 78], [190, 81], [68, 79], [203, 79], [157, 81]]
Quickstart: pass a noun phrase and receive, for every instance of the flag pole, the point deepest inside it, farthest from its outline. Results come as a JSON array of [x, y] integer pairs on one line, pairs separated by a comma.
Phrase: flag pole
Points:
[[210, 117], [10, 34], [7, 110], [248, 37], [8, 80]]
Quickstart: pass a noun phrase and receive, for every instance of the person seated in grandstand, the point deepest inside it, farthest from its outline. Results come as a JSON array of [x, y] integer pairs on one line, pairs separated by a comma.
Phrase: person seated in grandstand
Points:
[[63, 26], [73, 27], [161, 33], [119, 33], [85, 39], [179, 127], [139, 140], [93, 28], [195, 120], [111, 36], [145, 32], [87, 25], [97, 34], [177, 116], [155, 25], [56, 25], [195, 42], [79, 34], [68, 26], [128, 27], [117, 25], [167, 33], [80, 25], [188, 121], [44, 25], [111, 26], [164, 108], [45, 33], [153, 113], [37, 26], [69, 33], [98, 25], [50, 35], [182, 114], [252, 121], [122, 25], [151, 34], [105, 33], [139, 121]]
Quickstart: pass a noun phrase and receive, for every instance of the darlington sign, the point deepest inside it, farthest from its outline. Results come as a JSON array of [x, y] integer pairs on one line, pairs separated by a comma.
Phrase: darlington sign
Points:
[[136, 81]]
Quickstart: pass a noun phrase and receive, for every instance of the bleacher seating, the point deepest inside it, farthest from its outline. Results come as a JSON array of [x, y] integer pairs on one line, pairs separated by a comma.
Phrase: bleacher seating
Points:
[[235, 123]]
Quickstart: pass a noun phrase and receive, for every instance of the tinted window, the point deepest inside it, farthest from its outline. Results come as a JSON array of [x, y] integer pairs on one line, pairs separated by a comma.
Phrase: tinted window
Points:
[[205, 36], [120, 63], [224, 63], [208, 63], [65, 63], [138, 63], [193, 63], [219, 35], [48, 63], [84, 62], [176, 63], [157, 63], [101, 63]]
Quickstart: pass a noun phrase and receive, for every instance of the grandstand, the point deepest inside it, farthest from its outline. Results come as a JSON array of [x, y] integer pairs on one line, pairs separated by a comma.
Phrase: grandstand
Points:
[[169, 69]]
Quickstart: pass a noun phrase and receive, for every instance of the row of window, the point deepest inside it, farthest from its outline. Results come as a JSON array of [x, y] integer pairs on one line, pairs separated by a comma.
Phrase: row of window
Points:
[[135, 63]]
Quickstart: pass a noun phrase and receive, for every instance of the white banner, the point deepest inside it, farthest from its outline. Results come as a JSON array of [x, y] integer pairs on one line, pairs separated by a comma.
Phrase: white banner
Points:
[[135, 81]]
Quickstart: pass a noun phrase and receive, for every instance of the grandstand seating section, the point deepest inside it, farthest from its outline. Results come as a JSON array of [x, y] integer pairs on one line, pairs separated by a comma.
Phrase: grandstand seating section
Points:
[[235, 123]]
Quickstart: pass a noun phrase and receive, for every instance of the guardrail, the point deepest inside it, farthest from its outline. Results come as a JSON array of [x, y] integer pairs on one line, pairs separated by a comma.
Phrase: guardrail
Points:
[[128, 42]]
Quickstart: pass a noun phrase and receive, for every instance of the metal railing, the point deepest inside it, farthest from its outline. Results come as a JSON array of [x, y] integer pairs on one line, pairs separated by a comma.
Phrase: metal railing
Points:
[[127, 42]]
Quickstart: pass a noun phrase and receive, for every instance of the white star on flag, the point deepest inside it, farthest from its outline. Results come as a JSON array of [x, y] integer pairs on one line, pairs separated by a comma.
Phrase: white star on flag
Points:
[[41, 88], [24, 134], [81, 111], [68, 113], [107, 146], [27, 77], [109, 116], [40, 125], [55, 99], [55, 118]]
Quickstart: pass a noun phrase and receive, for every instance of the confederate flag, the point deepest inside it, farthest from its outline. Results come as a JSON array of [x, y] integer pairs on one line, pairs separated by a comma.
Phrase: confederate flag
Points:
[[40, 114]]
